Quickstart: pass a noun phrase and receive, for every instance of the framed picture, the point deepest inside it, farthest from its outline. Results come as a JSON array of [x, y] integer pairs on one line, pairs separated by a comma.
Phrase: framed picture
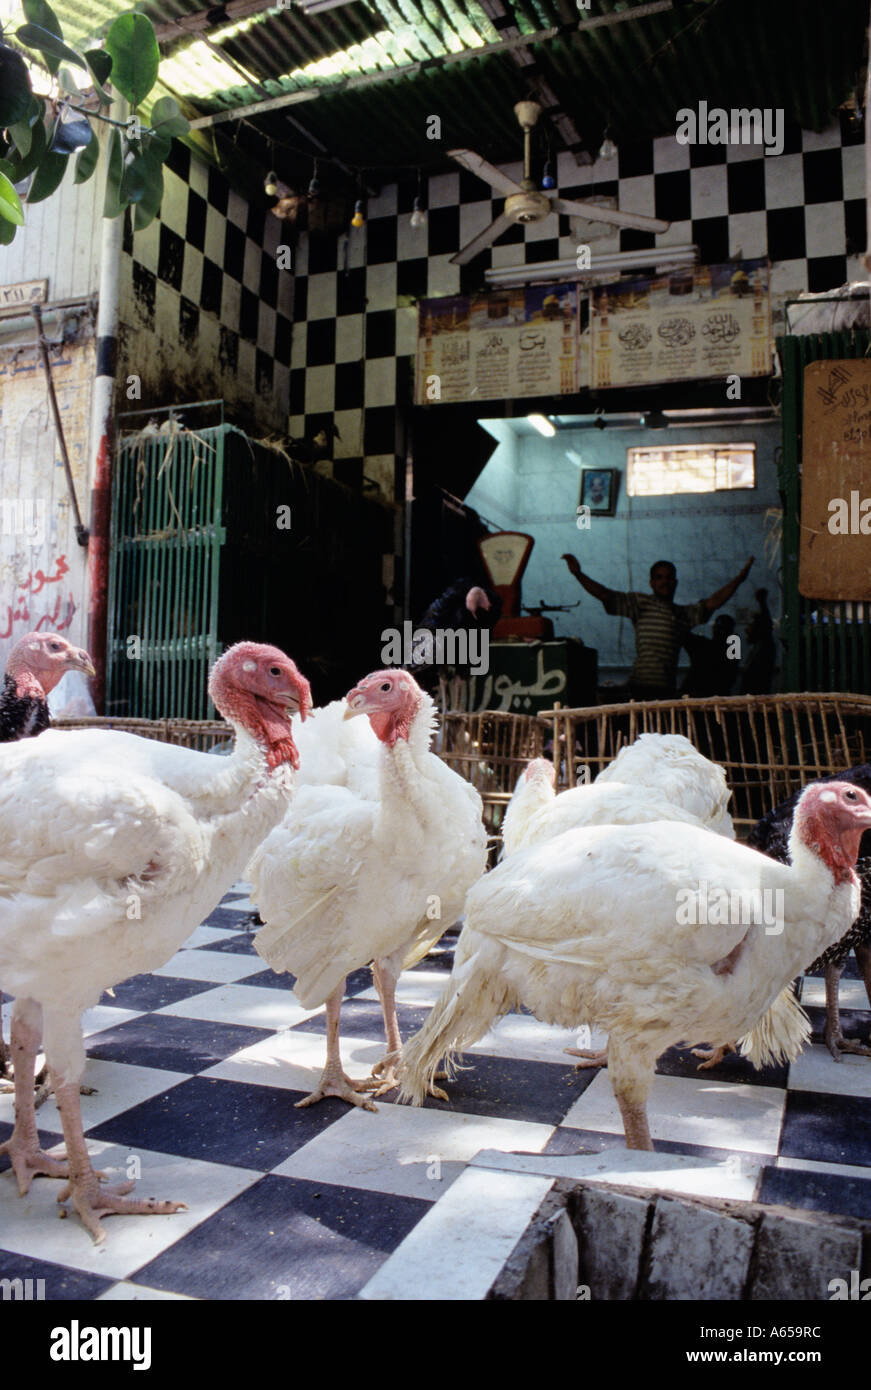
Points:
[[599, 490]]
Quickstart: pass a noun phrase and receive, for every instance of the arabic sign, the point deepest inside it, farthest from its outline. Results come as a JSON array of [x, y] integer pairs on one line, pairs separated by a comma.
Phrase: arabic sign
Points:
[[498, 346], [43, 570], [531, 679], [836, 489], [22, 295], [706, 321]]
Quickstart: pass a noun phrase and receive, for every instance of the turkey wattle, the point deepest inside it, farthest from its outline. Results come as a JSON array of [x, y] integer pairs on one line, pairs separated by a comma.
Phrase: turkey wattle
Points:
[[585, 929], [371, 863], [114, 848]]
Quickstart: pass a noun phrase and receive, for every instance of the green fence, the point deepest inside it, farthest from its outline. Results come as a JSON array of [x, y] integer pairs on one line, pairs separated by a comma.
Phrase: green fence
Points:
[[165, 570], [826, 644]]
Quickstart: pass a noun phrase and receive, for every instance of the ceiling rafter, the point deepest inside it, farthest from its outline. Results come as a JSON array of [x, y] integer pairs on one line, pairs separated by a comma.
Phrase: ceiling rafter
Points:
[[508, 45]]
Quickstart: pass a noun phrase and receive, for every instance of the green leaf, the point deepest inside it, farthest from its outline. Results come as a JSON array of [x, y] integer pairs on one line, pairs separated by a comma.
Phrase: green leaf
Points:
[[134, 180], [22, 136], [41, 14], [166, 119], [149, 204], [99, 62], [157, 146], [10, 203], [87, 160], [100, 65], [132, 46], [112, 205], [49, 172], [49, 45], [7, 232], [22, 168], [15, 93]]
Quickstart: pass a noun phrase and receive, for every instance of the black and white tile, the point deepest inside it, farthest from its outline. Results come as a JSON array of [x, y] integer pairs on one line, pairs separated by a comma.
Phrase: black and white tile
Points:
[[196, 1069]]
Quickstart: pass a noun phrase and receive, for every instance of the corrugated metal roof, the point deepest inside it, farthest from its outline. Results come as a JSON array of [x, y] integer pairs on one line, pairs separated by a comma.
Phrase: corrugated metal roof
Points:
[[632, 75]]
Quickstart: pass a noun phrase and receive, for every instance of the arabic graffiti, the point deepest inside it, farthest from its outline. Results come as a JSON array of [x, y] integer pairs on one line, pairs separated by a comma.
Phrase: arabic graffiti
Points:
[[55, 619]]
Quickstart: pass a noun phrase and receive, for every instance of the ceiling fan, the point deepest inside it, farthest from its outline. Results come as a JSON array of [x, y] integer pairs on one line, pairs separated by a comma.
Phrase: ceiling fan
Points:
[[524, 202]]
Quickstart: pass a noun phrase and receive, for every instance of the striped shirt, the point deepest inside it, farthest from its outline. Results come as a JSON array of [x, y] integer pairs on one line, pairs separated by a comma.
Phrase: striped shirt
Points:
[[661, 628]]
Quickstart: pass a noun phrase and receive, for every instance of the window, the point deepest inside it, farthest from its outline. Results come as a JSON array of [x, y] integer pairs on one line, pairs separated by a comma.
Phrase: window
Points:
[[661, 472]]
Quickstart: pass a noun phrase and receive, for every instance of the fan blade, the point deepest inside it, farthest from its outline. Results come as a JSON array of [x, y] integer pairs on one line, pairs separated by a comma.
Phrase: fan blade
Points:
[[488, 172], [594, 213], [485, 238]]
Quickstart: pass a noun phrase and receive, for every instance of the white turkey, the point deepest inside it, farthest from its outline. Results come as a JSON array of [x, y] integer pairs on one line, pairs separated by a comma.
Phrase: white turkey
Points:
[[112, 849], [658, 777], [371, 863], [35, 665], [594, 927]]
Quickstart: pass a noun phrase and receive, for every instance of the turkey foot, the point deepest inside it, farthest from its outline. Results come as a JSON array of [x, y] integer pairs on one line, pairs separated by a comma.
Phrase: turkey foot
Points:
[[837, 1043], [712, 1055], [91, 1200], [591, 1057], [84, 1190], [383, 1077], [30, 1161], [23, 1147], [386, 1077], [334, 1082]]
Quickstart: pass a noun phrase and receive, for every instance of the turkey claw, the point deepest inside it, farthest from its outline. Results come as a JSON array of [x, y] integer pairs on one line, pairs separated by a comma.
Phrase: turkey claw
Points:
[[343, 1088], [91, 1201], [837, 1043], [712, 1056], [29, 1161], [591, 1057]]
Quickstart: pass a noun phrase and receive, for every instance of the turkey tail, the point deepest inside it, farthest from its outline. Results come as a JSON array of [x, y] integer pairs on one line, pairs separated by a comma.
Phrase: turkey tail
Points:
[[473, 999], [781, 1033]]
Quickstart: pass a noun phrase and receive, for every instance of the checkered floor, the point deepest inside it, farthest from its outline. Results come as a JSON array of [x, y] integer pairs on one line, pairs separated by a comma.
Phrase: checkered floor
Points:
[[196, 1069]]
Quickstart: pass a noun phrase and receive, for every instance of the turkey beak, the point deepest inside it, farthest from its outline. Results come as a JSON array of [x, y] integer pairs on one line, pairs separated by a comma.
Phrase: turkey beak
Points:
[[355, 703], [80, 661]]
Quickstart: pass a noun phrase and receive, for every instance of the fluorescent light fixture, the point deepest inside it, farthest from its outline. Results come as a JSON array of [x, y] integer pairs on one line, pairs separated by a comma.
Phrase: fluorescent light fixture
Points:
[[316, 6], [618, 262], [542, 424]]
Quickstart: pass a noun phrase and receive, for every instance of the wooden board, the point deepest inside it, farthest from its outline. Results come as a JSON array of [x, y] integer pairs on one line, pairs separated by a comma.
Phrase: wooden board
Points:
[[835, 548]]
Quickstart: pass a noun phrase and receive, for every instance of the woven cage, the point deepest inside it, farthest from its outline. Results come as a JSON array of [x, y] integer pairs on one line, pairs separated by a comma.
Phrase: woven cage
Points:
[[768, 745], [490, 749], [201, 734]]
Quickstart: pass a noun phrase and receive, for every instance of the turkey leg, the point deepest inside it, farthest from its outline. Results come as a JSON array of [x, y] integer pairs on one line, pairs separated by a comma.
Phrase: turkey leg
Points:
[[832, 1035], [631, 1073], [385, 1076], [635, 1125], [333, 1080], [84, 1189], [23, 1148]]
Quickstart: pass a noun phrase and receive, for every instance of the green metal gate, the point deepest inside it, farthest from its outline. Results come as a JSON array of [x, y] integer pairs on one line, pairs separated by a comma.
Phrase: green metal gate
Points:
[[165, 569], [826, 644]]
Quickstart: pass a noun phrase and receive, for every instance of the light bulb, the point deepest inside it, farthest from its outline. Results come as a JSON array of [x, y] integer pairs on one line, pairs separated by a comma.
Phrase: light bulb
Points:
[[418, 216], [607, 149], [314, 187], [548, 180], [358, 220], [270, 183]]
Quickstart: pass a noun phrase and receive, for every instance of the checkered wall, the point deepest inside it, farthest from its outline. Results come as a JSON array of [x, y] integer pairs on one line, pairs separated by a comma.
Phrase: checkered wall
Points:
[[205, 310], [355, 323]]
